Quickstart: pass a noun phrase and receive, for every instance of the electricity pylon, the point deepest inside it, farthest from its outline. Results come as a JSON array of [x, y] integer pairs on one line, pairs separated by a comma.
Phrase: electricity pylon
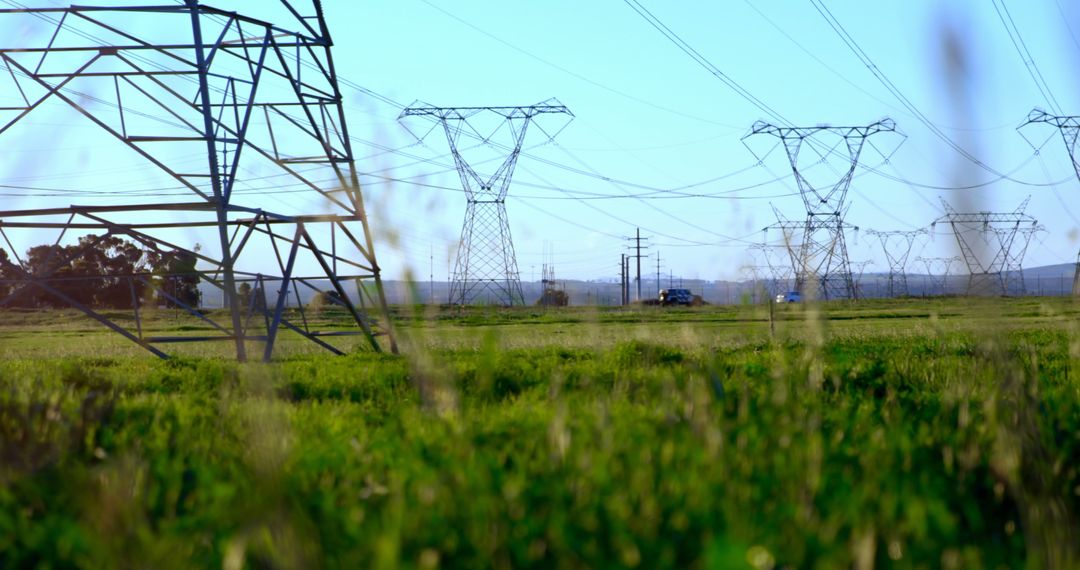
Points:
[[822, 257], [779, 269], [937, 270], [817, 252], [857, 270], [989, 248], [486, 269], [1069, 127], [252, 96], [897, 246]]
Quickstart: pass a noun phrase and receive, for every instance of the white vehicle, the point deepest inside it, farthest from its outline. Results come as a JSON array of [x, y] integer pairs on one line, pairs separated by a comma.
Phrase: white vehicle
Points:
[[789, 297]]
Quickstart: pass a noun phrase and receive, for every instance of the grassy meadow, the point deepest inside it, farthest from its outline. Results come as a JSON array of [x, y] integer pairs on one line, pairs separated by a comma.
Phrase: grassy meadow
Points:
[[908, 433]]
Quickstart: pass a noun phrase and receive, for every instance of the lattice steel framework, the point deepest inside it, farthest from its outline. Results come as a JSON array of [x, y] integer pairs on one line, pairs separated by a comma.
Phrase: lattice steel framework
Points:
[[248, 95], [990, 249], [756, 275], [938, 270], [897, 246], [821, 250], [817, 252], [486, 269], [1069, 127], [777, 264], [857, 270]]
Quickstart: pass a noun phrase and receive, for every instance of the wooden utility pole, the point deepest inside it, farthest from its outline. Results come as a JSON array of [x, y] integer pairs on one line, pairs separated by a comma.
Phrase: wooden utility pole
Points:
[[622, 280], [638, 247], [658, 286]]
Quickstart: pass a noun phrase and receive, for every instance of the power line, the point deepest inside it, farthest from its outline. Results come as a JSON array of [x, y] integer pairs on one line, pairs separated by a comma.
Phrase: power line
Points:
[[1068, 26], [850, 42], [658, 210], [974, 186], [574, 74], [845, 78], [608, 214], [1025, 55], [703, 61]]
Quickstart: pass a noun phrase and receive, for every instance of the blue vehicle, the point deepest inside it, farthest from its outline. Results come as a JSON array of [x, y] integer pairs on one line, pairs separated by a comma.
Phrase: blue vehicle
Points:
[[789, 297], [676, 297]]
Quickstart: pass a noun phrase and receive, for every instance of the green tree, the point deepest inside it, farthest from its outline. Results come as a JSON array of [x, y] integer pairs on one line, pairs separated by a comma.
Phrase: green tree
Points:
[[178, 279], [251, 298], [6, 274], [322, 300], [98, 272], [243, 295]]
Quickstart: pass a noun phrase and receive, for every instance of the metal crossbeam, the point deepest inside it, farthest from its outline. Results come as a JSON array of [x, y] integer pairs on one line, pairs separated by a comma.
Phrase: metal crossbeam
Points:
[[247, 92]]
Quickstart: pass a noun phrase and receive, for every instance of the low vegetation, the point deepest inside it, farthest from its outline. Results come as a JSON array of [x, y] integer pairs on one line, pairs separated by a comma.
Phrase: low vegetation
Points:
[[907, 433]]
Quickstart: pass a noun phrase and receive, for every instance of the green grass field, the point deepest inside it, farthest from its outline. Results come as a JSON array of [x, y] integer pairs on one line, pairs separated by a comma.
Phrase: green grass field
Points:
[[905, 433]]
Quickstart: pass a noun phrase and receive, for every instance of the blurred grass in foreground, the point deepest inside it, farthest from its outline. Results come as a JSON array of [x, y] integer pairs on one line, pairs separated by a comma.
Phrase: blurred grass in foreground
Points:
[[890, 433]]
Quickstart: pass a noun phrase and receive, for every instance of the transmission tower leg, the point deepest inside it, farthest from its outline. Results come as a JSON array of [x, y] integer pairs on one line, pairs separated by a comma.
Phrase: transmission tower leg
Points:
[[1076, 278], [513, 292], [384, 307], [221, 199], [486, 266], [833, 271], [841, 264], [460, 285]]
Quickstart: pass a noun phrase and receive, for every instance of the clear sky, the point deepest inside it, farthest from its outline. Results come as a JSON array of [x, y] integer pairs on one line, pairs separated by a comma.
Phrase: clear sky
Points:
[[661, 135]]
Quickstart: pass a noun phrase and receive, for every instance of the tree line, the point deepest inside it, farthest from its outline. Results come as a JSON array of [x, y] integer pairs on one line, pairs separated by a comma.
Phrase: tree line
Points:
[[101, 272]]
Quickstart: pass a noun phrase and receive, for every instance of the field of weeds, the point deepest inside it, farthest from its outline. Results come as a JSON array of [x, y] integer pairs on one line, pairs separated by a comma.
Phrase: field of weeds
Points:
[[906, 433]]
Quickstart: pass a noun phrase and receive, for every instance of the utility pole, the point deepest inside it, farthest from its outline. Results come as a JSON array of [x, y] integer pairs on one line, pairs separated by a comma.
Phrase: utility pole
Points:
[[638, 247], [626, 279], [658, 287], [622, 280]]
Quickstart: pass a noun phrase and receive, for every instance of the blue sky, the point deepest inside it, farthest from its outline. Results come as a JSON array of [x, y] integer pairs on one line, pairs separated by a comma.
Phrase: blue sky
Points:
[[652, 119], [782, 52]]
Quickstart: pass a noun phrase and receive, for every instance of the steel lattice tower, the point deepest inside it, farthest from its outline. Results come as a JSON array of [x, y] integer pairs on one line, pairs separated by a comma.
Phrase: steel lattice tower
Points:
[[242, 92], [819, 247], [486, 269], [1069, 127], [817, 252], [932, 264], [857, 270], [897, 246], [990, 249], [779, 270]]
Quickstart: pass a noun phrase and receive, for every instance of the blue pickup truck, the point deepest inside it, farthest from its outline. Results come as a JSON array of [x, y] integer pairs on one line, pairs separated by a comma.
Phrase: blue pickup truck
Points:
[[676, 297]]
